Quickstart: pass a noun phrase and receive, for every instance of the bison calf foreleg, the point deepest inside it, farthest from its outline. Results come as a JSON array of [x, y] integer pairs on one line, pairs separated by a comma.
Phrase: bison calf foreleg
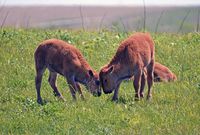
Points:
[[38, 81], [52, 82], [80, 91], [72, 86], [115, 96]]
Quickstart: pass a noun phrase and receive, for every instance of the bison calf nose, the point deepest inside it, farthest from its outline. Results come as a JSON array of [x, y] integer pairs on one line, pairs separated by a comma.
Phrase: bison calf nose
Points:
[[107, 91]]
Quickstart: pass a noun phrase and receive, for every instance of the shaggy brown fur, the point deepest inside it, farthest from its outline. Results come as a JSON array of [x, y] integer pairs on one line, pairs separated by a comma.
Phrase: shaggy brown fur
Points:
[[133, 56], [63, 58]]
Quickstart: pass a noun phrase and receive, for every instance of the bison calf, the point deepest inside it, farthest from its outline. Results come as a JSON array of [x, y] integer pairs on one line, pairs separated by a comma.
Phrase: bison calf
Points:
[[133, 56], [163, 73], [63, 58]]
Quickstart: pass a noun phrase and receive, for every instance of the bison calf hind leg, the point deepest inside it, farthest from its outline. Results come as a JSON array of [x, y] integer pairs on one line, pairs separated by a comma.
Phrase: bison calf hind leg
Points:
[[150, 78], [143, 81], [136, 84], [52, 82]]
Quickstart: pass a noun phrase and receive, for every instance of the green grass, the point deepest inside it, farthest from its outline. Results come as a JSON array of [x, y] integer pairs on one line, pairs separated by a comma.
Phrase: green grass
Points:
[[175, 108]]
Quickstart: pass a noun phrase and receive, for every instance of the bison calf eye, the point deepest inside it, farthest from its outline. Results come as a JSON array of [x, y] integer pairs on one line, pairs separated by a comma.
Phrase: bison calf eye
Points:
[[97, 82]]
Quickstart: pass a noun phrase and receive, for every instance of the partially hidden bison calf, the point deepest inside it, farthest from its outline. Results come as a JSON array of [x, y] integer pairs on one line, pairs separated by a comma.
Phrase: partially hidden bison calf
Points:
[[133, 56], [163, 73], [64, 59]]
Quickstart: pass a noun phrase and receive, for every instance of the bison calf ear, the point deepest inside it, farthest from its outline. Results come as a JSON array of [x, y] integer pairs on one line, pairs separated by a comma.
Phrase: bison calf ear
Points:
[[91, 73], [111, 69]]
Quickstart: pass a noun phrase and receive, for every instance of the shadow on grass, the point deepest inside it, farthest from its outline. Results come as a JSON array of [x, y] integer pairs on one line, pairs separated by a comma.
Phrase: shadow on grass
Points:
[[44, 102], [123, 100]]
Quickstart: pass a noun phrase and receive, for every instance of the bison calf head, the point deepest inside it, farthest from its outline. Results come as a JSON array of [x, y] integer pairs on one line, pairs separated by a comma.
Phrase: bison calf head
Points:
[[108, 79], [94, 84]]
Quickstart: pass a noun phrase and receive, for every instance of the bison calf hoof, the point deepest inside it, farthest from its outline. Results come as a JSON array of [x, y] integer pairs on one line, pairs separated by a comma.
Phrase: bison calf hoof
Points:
[[114, 99], [39, 101], [61, 98], [137, 98], [149, 98], [83, 98], [142, 95]]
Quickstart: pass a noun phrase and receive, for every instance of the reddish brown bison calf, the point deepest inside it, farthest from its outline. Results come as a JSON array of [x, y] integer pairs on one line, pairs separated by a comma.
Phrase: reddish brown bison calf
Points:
[[133, 56], [163, 73], [63, 58]]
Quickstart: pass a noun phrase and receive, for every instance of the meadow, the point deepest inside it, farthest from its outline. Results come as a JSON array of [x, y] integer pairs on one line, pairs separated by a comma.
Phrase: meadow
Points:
[[174, 109]]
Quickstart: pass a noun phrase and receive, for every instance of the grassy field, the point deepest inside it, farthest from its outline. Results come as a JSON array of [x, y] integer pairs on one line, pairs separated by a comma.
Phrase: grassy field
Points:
[[175, 108]]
